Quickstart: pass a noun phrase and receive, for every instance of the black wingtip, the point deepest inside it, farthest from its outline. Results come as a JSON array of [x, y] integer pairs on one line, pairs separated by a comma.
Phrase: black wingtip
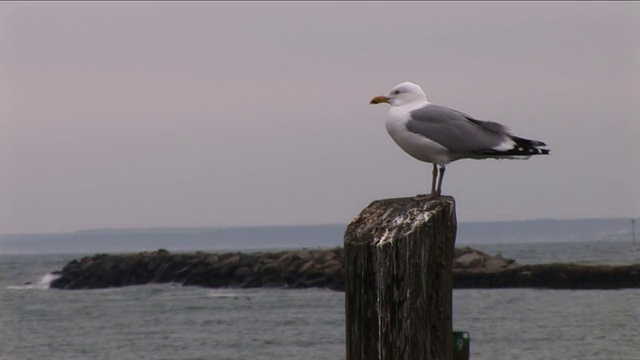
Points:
[[517, 152]]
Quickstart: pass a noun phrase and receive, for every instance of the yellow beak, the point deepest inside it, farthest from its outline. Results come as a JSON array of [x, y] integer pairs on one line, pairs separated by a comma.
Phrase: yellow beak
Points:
[[379, 99]]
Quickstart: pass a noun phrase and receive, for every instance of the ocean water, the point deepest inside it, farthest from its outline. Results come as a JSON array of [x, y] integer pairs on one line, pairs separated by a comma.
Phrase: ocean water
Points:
[[175, 322]]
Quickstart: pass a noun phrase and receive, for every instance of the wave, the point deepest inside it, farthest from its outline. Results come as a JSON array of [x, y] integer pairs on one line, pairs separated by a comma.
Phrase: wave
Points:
[[43, 283]]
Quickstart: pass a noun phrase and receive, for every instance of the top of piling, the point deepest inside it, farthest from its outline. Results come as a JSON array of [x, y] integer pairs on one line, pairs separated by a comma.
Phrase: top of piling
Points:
[[385, 220]]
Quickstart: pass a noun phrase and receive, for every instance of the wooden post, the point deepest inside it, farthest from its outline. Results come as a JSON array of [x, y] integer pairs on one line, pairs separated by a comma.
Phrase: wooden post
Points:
[[398, 262]]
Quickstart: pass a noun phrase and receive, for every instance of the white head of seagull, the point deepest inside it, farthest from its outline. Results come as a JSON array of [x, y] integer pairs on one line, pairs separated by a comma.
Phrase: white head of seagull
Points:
[[440, 135], [402, 94]]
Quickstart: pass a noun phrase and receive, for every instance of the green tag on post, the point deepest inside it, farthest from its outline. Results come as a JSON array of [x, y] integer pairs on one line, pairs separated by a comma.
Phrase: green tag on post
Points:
[[460, 345]]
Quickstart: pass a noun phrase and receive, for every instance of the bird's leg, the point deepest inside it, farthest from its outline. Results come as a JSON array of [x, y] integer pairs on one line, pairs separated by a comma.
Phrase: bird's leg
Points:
[[439, 190], [433, 179], [434, 176]]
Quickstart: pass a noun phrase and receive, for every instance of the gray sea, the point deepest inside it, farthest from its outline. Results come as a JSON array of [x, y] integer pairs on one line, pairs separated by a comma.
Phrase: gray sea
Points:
[[176, 322]]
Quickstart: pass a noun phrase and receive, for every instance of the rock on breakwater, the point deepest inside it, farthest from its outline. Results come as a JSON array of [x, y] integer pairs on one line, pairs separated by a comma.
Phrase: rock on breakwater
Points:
[[294, 269], [551, 276], [322, 269]]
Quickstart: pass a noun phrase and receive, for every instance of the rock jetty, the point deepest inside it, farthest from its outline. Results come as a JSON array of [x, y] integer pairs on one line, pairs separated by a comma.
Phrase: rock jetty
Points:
[[291, 269], [321, 269], [551, 276]]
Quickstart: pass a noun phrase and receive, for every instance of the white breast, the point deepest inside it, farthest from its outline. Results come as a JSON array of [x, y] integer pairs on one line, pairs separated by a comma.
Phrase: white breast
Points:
[[418, 146]]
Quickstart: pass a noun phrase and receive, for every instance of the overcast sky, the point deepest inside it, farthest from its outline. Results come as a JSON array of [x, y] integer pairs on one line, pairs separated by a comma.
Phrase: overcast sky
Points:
[[118, 114]]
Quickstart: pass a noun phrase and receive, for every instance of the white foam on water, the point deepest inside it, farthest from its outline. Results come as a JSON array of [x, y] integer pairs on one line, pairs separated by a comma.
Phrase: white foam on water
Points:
[[46, 280], [228, 295], [44, 283]]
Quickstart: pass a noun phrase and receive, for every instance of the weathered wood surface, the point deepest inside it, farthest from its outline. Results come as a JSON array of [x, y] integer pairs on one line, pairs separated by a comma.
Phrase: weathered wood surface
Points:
[[398, 269]]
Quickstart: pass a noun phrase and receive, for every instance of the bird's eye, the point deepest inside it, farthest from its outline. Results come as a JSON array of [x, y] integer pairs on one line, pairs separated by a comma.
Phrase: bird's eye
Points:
[[396, 92]]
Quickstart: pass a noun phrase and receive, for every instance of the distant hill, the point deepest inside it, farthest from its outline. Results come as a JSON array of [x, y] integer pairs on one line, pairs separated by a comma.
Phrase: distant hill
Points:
[[297, 236], [175, 239], [545, 230]]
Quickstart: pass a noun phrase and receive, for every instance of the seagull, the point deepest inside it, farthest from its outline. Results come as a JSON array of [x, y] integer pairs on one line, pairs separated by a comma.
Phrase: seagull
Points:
[[440, 135]]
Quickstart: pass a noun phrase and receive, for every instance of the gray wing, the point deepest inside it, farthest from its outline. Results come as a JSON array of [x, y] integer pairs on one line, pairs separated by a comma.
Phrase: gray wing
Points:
[[458, 132]]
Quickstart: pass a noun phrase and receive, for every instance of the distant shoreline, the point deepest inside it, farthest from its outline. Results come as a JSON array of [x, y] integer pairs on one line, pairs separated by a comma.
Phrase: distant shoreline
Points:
[[206, 229], [215, 239]]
